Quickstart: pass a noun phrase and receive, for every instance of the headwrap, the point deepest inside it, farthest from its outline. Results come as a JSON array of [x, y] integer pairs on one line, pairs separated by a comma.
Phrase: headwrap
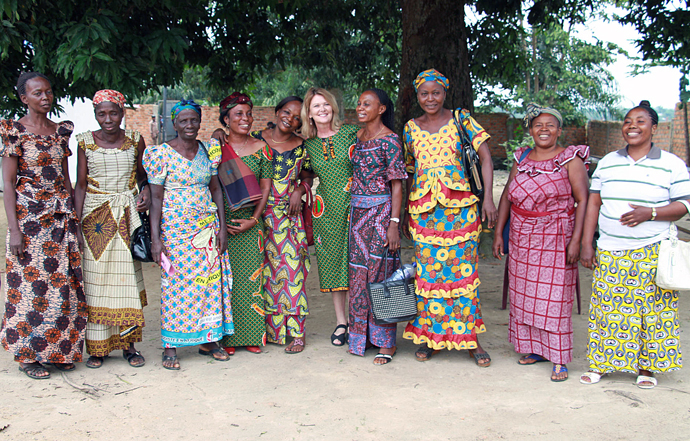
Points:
[[431, 75], [109, 95], [184, 105], [534, 110], [236, 98]]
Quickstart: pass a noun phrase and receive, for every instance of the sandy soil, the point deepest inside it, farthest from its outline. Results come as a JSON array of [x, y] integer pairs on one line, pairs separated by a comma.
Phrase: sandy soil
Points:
[[326, 393]]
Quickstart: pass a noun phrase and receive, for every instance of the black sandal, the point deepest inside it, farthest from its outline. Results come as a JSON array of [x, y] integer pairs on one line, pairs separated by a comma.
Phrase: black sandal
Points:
[[34, 369], [65, 367], [94, 362], [222, 355], [339, 340], [172, 358], [131, 358], [425, 353]]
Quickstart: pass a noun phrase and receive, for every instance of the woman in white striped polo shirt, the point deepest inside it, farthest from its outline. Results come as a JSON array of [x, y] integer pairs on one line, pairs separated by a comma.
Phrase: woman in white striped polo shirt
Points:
[[636, 192]]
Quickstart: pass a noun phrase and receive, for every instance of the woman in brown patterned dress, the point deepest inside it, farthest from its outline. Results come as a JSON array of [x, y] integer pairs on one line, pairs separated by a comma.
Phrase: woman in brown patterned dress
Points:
[[45, 313]]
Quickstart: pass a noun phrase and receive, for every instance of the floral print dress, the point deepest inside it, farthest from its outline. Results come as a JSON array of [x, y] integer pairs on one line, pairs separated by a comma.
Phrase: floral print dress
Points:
[[45, 312]]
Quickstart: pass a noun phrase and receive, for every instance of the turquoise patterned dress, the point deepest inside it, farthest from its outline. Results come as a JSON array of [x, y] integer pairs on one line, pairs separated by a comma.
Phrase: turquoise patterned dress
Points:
[[195, 299]]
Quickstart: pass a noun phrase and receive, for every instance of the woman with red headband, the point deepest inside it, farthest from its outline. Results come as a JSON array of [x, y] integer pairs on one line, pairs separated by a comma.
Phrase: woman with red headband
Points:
[[245, 226], [107, 200]]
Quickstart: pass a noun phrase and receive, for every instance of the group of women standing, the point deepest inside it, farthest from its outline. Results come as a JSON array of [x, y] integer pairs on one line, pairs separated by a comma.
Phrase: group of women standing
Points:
[[235, 277]]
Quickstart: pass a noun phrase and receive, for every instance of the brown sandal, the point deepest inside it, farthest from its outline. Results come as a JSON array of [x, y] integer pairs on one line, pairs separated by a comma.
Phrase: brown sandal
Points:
[[94, 362]]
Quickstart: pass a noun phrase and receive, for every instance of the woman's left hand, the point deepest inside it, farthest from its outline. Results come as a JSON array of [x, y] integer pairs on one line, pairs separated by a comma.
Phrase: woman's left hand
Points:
[[636, 216], [295, 203], [222, 239], [144, 199], [573, 252], [489, 213], [392, 237], [238, 226]]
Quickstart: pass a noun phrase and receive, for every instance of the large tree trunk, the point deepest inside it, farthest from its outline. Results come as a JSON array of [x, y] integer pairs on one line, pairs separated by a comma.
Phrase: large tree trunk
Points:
[[434, 36]]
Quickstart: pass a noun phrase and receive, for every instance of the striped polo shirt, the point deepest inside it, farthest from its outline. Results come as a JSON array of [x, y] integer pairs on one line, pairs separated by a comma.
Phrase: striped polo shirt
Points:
[[654, 181]]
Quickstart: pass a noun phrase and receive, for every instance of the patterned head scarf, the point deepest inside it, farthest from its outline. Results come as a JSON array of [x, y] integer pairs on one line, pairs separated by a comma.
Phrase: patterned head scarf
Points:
[[184, 105], [534, 110], [236, 98], [109, 95], [431, 75]]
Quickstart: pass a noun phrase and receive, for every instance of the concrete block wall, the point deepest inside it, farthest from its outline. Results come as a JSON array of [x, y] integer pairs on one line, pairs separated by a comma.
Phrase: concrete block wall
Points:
[[605, 136]]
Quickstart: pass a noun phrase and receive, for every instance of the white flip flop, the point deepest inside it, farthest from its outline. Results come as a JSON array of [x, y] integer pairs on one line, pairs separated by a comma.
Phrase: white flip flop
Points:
[[644, 378], [594, 377]]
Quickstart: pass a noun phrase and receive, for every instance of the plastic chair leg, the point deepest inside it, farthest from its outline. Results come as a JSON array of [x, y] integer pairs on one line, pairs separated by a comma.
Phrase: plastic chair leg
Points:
[[505, 286]]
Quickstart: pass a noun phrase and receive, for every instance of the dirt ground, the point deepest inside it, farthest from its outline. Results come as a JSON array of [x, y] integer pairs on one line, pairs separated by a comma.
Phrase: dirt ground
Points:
[[326, 393]]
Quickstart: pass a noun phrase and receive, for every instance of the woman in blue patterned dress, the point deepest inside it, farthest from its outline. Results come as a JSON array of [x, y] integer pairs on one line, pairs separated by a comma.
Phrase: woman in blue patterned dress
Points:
[[188, 230], [378, 170]]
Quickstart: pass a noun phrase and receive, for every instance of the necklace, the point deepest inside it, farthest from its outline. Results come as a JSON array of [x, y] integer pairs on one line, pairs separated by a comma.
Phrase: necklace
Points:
[[241, 148], [280, 142], [379, 132]]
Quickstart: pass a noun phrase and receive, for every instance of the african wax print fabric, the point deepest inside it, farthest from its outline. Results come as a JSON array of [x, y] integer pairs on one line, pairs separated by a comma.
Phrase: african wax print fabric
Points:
[[246, 253], [330, 160], [113, 281], [287, 252], [445, 225], [45, 309], [541, 282], [374, 164], [633, 324], [196, 298]]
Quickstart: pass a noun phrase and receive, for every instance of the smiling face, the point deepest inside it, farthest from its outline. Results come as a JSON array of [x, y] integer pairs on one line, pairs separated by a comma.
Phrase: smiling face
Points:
[[431, 96], [288, 117], [109, 116], [545, 130], [39, 95], [239, 119], [320, 110], [187, 124], [369, 107], [638, 128]]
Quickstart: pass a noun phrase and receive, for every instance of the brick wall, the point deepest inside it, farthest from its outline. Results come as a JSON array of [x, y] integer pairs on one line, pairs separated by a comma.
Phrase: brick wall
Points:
[[605, 136], [601, 136]]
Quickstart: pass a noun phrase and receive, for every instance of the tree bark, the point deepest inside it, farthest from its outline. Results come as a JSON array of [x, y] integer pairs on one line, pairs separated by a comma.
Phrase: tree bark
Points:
[[434, 35]]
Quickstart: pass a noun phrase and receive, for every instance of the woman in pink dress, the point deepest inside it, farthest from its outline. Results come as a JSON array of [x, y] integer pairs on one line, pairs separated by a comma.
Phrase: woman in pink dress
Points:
[[545, 230]]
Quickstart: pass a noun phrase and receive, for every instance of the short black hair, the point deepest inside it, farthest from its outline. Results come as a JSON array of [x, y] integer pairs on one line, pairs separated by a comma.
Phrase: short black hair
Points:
[[26, 76], [388, 117], [644, 105], [284, 101]]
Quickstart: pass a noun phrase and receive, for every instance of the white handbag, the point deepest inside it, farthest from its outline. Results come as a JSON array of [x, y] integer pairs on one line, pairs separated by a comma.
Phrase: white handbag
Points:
[[673, 270]]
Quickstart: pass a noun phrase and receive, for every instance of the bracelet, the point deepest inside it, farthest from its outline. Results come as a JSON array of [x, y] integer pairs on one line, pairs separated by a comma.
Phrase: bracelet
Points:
[[255, 219], [395, 219], [653, 213]]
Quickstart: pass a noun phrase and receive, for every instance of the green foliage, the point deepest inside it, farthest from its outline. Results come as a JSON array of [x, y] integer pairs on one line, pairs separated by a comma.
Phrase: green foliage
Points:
[[549, 66], [84, 46], [663, 28], [511, 146]]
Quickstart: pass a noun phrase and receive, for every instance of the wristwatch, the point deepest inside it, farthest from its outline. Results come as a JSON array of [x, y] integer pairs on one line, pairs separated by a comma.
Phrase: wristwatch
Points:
[[653, 213], [395, 219]]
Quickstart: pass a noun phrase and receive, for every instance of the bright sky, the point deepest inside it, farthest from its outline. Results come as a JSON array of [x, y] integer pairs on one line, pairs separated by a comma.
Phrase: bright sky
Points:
[[659, 85]]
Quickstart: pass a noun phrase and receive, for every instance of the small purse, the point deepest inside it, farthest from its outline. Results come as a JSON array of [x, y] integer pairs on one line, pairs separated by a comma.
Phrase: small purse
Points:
[[306, 214], [470, 159], [673, 269], [393, 301], [140, 244]]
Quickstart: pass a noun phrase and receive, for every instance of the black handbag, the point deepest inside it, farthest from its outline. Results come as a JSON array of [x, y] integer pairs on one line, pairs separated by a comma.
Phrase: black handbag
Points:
[[470, 160], [140, 243], [393, 301]]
